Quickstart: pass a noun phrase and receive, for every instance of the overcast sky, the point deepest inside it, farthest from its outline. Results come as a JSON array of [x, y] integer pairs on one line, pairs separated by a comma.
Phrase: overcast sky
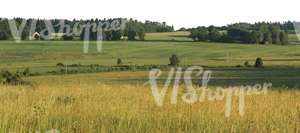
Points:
[[184, 13]]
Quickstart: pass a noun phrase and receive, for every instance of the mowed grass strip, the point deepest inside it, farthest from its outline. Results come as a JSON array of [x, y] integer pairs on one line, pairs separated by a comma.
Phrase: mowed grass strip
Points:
[[49, 53]]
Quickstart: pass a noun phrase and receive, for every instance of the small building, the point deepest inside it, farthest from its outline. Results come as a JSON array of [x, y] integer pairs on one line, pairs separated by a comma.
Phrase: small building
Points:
[[35, 36]]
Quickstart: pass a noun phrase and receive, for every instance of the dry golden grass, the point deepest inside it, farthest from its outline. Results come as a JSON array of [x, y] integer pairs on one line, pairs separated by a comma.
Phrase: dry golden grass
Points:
[[74, 104]]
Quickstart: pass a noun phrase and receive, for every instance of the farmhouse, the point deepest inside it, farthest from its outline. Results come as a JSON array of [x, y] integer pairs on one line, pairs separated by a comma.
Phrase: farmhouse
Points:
[[35, 36]]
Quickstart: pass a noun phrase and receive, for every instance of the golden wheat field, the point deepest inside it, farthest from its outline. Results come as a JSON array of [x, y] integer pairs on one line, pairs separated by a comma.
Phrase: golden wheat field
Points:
[[82, 104]]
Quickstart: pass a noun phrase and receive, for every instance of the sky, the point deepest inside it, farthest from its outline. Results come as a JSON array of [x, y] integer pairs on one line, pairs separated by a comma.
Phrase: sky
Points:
[[180, 13]]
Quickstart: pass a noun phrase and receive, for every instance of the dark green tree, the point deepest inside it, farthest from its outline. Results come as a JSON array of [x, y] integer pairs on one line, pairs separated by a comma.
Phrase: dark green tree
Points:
[[283, 38], [174, 60], [3, 35], [199, 34], [141, 34], [275, 30], [258, 63], [67, 38], [267, 38], [214, 35], [119, 61]]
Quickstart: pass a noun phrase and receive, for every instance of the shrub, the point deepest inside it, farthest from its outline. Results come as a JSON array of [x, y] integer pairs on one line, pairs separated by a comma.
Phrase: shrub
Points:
[[26, 72], [247, 64], [60, 64], [258, 63], [119, 61], [238, 66], [67, 38], [75, 65], [7, 77], [174, 60]]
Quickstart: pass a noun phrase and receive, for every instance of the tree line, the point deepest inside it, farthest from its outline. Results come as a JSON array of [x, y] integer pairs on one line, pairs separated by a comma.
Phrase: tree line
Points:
[[258, 33], [133, 29]]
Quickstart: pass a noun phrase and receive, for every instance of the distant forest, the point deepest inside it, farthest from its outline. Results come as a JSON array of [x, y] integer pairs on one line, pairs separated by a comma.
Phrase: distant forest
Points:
[[258, 33], [133, 30]]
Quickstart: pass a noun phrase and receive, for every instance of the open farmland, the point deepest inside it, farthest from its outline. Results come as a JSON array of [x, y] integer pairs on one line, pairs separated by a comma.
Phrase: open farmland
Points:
[[117, 100]]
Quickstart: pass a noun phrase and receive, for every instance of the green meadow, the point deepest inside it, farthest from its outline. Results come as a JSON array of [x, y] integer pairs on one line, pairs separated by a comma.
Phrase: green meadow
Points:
[[48, 53], [225, 60]]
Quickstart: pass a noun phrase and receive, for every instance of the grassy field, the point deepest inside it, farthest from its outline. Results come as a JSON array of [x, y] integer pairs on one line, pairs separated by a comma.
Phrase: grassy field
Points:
[[119, 101], [156, 50], [169, 36], [281, 62], [43, 53], [82, 103], [294, 39]]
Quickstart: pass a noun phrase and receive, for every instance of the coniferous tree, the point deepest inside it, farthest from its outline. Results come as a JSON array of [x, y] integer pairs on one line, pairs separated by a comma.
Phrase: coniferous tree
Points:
[[283, 38]]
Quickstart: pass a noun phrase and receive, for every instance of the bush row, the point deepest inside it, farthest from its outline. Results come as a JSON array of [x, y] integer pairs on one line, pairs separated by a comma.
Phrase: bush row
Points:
[[10, 78]]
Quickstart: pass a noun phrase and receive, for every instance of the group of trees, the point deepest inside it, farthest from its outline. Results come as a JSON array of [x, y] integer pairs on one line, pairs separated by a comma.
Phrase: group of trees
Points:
[[138, 29], [133, 29], [208, 34], [4, 30], [150, 26], [258, 33]]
